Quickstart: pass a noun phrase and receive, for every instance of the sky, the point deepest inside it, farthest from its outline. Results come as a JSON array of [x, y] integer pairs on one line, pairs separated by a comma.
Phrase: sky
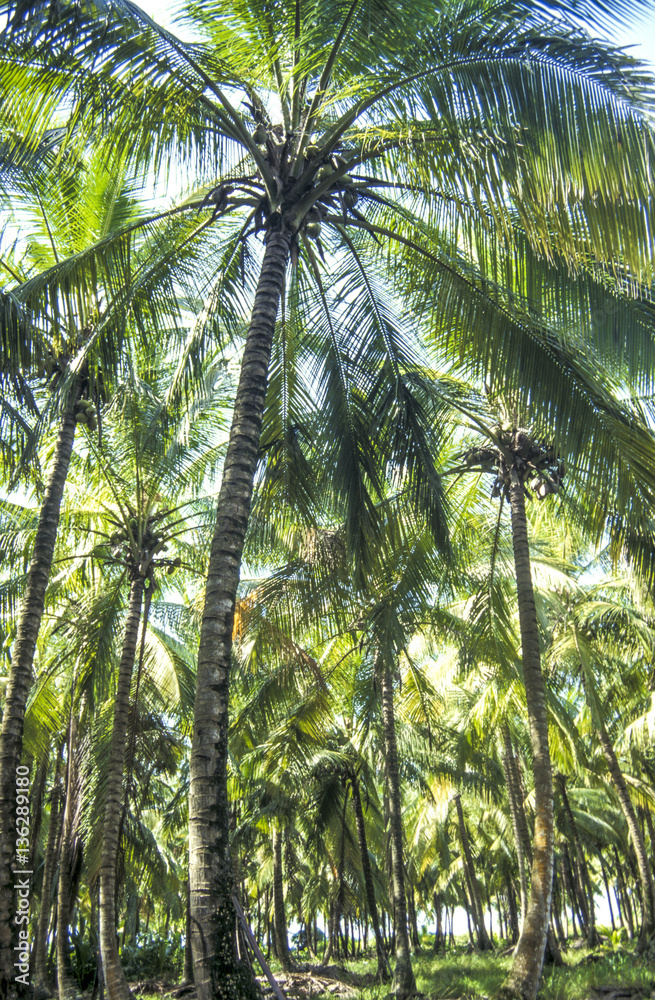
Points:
[[640, 36], [639, 33]]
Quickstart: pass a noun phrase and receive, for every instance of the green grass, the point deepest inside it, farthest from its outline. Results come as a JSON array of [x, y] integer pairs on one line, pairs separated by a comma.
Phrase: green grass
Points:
[[461, 976], [458, 975]]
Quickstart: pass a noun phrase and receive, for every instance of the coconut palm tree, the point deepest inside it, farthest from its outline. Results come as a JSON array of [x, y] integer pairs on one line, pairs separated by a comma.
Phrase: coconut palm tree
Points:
[[65, 214], [517, 459], [582, 641], [395, 119]]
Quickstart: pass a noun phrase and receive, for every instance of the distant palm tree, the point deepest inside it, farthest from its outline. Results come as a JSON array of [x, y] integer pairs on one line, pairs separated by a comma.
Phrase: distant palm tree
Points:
[[67, 211]]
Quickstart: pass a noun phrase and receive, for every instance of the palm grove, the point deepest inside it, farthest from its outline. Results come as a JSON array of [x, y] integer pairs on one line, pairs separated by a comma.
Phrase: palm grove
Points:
[[362, 416]]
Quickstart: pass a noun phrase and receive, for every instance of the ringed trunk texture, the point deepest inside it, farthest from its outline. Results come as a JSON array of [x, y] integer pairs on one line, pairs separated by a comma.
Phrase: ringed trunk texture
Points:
[[403, 979], [114, 977], [187, 975], [19, 684], [383, 972], [512, 796], [218, 971], [525, 975]]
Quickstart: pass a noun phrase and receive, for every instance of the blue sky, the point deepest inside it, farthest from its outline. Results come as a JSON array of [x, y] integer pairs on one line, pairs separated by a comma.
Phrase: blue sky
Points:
[[639, 33]]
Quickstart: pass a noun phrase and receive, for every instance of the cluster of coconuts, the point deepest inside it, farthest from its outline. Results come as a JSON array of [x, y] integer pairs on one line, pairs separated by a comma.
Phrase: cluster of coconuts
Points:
[[86, 414], [347, 193], [262, 135], [534, 461], [151, 545]]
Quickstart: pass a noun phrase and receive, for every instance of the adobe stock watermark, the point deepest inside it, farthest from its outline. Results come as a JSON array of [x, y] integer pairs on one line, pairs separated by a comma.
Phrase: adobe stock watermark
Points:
[[22, 876]]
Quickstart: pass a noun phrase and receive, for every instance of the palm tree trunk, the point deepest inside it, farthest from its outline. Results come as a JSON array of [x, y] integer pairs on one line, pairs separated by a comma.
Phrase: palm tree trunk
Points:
[[514, 813], [587, 891], [49, 862], [439, 939], [569, 881], [20, 680], [651, 834], [335, 911], [187, 975], [645, 873], [218, 970], [413, 924], [607, 889], [114, 977], [281, 937], [484, 944], [626, 916], [403, 979], [525, 975], [383, 972], [67, 987]]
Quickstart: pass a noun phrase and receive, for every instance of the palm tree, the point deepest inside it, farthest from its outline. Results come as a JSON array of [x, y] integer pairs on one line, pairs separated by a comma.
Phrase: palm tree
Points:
[[581, 642], [147, 510], [439, 103], [517, 459], [67, 213]]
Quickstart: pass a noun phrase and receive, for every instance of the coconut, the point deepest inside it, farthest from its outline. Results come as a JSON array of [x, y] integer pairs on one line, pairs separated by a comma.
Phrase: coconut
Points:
[[313, 229]]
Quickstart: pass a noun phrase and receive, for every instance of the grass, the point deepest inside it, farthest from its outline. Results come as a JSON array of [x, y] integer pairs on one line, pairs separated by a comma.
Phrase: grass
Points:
[[460, 975]]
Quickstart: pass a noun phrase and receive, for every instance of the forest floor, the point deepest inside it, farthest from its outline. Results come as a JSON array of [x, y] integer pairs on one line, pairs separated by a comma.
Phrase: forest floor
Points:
[[602, 974]]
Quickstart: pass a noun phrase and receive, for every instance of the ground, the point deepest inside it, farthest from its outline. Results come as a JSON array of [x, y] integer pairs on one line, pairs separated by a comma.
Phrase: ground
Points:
[[603, 974]]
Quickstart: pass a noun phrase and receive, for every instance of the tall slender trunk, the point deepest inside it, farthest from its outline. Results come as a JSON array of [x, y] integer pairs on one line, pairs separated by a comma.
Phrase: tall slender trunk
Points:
[[439, 939], [20, 682], [557, 908], [525, 975], [335, 911], [67, 987], [413, 924], [187, 975], [383, 972], [403, 979], [512, 797], [281, 937], [626, 916], [645, 874], [607, 889], [114, 977], [41, 978], [587, 891], [513, 916], [569, 882], [219, 973], [651, 834], [484, 944]]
